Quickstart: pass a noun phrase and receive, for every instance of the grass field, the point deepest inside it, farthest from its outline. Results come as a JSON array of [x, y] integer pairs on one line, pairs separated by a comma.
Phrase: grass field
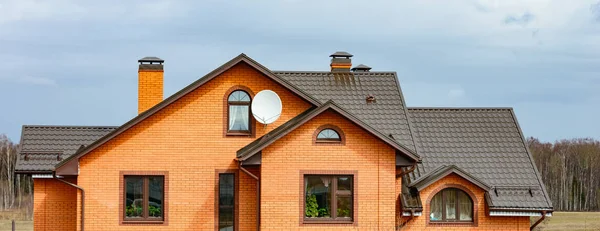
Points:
[[21, 225], [577, 221], [570, 221]]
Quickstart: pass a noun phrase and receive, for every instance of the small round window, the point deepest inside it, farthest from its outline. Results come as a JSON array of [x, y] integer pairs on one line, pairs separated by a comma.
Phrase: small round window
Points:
[[328, 135]]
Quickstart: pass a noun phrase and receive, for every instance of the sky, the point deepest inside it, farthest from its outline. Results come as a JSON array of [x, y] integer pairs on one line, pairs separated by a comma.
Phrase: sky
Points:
[[68, 62]]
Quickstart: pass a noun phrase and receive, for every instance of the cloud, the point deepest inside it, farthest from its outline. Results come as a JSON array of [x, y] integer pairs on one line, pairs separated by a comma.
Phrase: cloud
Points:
[[595, 9], [522, 20], [31, 80]]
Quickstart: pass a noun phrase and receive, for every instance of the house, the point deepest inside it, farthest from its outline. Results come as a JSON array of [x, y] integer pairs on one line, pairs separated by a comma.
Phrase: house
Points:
[[345, 154]]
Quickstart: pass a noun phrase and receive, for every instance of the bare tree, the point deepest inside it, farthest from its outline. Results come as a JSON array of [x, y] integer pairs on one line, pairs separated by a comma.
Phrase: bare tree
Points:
[[570, 170]]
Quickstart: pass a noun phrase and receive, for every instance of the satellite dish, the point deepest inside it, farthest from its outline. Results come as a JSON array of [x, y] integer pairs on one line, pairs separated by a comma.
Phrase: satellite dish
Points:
[[266, 107]]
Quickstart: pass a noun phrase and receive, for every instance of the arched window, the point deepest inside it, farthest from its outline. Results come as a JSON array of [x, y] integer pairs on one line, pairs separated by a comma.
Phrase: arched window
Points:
[[238, 114], [451, 205], [328, 135]]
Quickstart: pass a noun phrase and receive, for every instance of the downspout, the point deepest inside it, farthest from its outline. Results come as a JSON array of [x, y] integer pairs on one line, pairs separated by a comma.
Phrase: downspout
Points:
[[82, 198], [538, 221], [257, 193], [412, 211]]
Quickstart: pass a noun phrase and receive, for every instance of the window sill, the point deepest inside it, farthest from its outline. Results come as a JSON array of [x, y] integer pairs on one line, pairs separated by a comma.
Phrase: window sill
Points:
[[327, 221], [140, 222], [238, 134], [452, 223]]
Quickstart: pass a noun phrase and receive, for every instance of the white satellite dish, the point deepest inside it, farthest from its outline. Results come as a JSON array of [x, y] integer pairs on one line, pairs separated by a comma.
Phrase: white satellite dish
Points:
[[266, 107]]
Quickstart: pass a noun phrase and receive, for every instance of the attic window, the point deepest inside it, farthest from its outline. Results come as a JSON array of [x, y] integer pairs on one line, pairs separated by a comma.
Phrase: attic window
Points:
[[329, 134]]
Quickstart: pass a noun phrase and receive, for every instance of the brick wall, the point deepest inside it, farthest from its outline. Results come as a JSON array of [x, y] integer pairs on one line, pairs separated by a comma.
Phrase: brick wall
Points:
[[54, 205], [282, 184], [485, 222], [185, 139]]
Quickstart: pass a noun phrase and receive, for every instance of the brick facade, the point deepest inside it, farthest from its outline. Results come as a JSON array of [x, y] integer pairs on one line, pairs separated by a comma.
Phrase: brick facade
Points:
[[283, 160], [54, 205], [187, 140]]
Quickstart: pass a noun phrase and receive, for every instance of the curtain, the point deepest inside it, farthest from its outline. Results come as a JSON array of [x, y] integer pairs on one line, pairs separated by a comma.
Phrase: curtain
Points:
[[466, 207], [238, 117], [436, 207]]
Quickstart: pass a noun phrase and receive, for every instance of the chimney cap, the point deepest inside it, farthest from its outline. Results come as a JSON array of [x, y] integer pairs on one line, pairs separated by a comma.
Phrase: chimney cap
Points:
[[341, 54], [361, 67], [151, 59]]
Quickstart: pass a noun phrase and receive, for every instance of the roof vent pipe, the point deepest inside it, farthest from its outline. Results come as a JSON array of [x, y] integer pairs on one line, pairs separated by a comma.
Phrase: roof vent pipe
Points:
[[361, 68]]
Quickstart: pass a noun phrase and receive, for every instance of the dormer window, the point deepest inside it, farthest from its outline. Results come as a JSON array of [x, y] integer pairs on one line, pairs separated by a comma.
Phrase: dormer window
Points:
[[238, 104]]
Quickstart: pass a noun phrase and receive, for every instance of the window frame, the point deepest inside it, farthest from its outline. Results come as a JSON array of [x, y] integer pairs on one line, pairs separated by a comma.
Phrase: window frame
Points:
[[236, 192], [318, 141], [123, 220], [303, 220], [226, 110], [453, 222]]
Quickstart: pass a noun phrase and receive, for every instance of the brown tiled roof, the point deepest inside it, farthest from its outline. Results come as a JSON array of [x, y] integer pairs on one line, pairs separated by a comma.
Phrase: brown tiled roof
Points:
[[42, 147], [488, 144], [350, 90]]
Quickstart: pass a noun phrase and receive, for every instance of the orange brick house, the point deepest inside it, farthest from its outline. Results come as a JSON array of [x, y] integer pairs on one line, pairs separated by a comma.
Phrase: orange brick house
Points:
[[345, 154]]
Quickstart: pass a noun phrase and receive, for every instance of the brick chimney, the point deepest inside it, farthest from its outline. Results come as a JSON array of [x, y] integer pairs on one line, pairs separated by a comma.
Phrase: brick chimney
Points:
[[150, 83], [341, 62]]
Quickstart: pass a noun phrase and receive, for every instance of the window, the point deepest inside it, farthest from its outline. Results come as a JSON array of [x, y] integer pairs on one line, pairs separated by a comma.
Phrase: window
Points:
[[144, 198], [238, 104], [328, 135], [451, 205], [328, 198], [226, 201]]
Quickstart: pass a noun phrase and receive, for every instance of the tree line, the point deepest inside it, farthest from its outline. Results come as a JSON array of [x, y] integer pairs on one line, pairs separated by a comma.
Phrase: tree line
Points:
[[570, 169], [15, 189]]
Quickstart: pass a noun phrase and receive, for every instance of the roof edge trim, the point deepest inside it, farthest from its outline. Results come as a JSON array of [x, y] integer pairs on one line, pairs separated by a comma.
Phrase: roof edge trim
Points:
[[535, 170], [245, 154], [181, 93], [443, 171]]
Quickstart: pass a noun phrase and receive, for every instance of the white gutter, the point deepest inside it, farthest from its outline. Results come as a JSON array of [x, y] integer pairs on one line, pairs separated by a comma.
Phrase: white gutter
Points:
[[518, 214]]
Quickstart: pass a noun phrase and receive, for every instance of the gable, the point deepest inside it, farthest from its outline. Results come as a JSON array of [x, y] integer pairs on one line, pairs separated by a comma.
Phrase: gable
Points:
[[444, 171], [262, 142], [300, 147], [240, 71]]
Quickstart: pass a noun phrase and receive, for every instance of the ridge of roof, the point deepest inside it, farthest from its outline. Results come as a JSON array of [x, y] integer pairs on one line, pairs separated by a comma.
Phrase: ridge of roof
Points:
[[69, 126], [408, 119], [459, 108], [260, 143], [189, 88], [337, 73]]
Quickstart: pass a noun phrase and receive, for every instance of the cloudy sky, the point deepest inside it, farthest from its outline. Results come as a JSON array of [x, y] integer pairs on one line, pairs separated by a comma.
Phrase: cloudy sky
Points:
[[74, 63]]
